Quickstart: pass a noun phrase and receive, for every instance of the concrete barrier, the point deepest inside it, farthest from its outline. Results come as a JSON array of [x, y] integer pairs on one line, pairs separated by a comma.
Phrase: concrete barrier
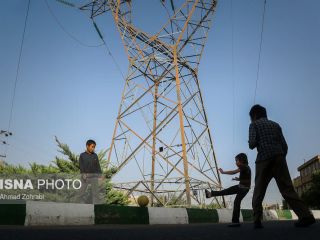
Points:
[[293, 215], [12, 214], [168, 215], [270, 215], [225, 215], [110, 214], [50, 213], [316, 214], [284, 214], [247, 215], [202, 215]]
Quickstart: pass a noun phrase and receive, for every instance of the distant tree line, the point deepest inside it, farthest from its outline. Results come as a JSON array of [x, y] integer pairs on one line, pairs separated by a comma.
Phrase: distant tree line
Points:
[[312, 195]]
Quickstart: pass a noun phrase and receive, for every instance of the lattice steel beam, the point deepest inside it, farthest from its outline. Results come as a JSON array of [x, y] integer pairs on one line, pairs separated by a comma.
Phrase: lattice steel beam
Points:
[[161, 131]]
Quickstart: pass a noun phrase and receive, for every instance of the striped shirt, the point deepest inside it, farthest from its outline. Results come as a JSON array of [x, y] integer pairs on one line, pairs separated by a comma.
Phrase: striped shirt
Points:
[[267, 137]]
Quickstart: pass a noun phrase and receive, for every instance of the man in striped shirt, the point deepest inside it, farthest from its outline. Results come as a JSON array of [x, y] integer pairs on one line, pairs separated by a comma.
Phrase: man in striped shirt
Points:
[[267, 137]]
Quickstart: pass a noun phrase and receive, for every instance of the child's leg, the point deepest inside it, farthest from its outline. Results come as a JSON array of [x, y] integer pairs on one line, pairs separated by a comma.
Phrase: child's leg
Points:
[[227, 191], [242, 192]]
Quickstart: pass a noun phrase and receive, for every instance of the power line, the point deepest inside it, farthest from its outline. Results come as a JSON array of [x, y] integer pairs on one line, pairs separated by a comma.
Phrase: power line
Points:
[[80, 42], [232, 72], [18, 70], [65, 30], [18, 66], [260, 48], [71, 36], [108, 49]]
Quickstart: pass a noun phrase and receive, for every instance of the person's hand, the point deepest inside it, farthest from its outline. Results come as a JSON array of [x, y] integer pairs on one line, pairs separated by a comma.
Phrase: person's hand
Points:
[[84, 177], [101, 179], [221, 171]]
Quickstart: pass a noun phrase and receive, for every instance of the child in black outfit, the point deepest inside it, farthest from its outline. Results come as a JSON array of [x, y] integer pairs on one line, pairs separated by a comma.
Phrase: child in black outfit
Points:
[[241, 189]]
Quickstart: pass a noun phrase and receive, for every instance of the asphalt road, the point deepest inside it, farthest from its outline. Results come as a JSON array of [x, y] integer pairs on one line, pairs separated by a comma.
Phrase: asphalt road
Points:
[[271, 231]]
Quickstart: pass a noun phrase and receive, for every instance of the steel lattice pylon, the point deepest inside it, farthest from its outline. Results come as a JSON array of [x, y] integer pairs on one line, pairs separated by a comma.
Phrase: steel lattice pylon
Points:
[[161, 134]]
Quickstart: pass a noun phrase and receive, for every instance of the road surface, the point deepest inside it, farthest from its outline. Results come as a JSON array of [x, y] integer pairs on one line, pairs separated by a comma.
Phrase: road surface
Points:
[[272, 231]]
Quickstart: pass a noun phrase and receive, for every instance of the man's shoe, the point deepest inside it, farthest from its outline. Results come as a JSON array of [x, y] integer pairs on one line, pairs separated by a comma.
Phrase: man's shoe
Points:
[[234, 225], [208, 194], [257, 225], [305, 222]]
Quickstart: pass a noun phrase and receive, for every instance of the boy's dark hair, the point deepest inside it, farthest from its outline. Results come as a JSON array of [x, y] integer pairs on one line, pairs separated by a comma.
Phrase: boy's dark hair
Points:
[[90, 141], [242, 157], [258, 111]]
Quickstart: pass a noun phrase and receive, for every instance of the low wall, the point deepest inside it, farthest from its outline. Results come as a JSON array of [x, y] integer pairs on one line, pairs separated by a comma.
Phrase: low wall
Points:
[[49, 213]]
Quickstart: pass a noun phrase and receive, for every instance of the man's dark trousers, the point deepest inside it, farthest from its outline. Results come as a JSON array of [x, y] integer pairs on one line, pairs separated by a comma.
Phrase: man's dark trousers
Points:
[[241, 193], [277, 168]]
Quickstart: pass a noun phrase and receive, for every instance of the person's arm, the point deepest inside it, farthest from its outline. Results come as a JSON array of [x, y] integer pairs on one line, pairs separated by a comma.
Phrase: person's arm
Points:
[[98, 167], [82, 168], [283, 142], [81, 164], [229, 172], [252, 137]]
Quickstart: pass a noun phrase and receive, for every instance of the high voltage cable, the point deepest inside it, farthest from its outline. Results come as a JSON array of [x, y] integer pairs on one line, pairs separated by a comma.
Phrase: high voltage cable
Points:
[[97, 30], [71, 36], [108, 49], [17, 72], [114, 60], [260, 48], [232, 72], [65, 30]]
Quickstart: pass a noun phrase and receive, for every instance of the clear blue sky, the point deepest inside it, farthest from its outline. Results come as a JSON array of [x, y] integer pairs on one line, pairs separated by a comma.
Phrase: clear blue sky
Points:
[[73, 92]]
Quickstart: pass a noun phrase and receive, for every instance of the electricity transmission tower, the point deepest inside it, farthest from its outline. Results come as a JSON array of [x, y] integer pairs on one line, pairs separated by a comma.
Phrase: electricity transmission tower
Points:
[[161, 144]]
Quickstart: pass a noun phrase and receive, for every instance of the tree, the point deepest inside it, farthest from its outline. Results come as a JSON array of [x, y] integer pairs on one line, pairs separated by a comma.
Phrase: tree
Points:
[[6, 168], [312, 196], [69, 164]]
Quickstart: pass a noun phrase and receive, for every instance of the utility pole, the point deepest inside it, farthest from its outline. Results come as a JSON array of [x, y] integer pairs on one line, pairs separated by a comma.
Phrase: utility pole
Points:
[[162, 105]]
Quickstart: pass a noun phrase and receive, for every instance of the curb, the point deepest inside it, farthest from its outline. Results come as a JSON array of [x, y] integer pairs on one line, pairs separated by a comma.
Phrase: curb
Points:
[[107, 214], [49, 213], [168, 215], [12, 214], [202, 215]]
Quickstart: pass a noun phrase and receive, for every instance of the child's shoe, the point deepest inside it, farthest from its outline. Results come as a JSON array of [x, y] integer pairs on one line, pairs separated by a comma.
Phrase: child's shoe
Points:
[[208, 193]]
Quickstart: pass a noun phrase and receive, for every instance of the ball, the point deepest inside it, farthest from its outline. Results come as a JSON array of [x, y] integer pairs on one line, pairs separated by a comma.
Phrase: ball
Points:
[[143, 200]]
